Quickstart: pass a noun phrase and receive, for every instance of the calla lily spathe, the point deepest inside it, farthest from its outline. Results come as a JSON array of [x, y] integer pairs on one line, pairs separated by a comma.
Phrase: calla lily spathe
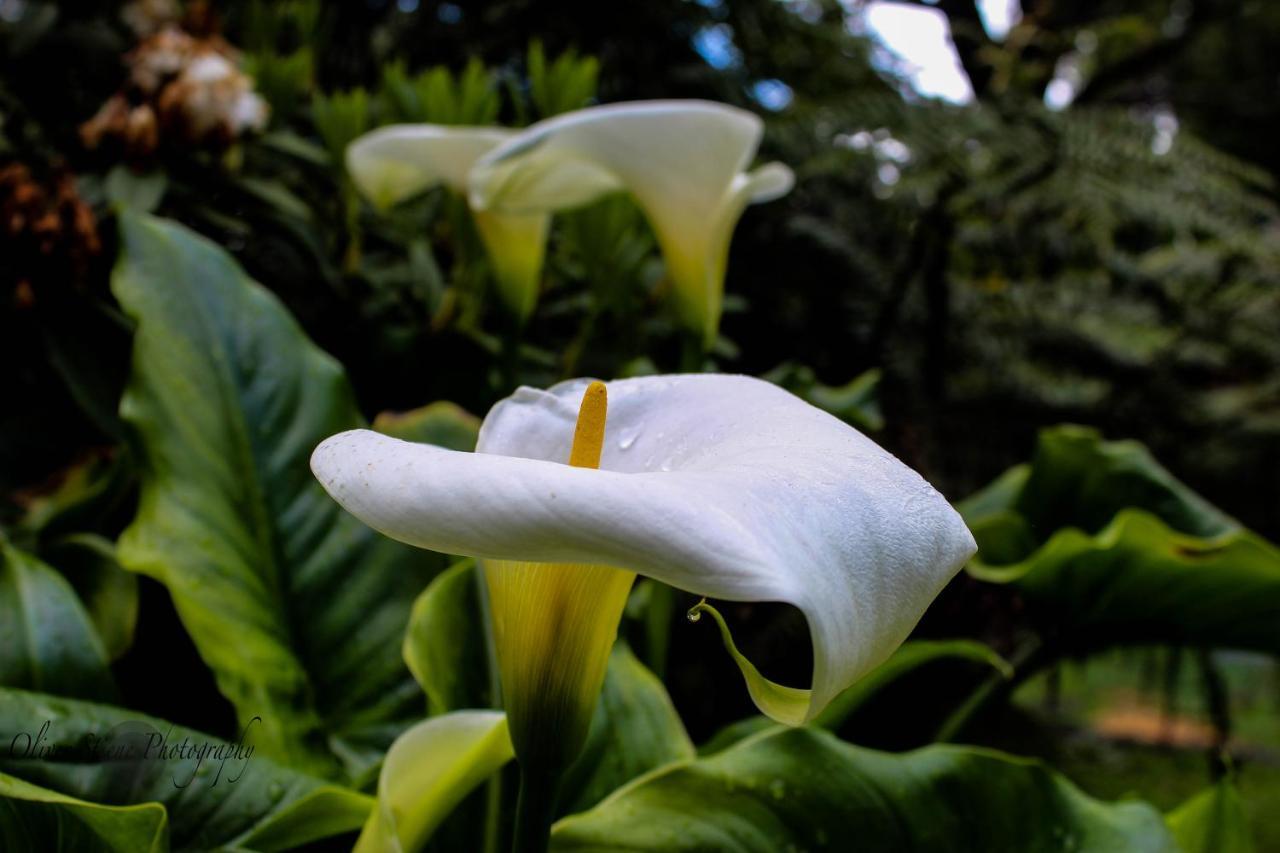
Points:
[[396, 162], [725, 486], [683, 162]]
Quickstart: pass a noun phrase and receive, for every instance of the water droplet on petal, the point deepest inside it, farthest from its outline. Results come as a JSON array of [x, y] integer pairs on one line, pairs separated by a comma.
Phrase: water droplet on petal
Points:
[[628, 438]]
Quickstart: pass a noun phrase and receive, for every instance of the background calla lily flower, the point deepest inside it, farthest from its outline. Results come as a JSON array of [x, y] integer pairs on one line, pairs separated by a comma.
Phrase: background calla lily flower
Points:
[[396, 162], [725, 486], [684, 163]]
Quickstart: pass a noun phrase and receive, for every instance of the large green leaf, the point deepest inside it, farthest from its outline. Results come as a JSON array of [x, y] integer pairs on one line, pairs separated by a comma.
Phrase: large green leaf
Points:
[[428, 771], [635, 729], [296, 606], [234, 799], [1108, 547], [47, 640], [911, 663], [441, 423], [57, 526], [108, 592], [35, 818], [446, 646], [802, 789], [1212, 821]]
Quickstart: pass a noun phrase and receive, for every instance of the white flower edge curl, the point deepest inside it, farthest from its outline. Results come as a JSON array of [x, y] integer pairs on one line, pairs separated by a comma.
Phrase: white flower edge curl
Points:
[[725, 486]]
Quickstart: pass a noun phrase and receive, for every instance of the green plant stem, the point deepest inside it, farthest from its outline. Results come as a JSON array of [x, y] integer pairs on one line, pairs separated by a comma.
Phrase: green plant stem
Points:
[[510, 357], [493, 806], [535, 810], [657, 623], [692, 354]]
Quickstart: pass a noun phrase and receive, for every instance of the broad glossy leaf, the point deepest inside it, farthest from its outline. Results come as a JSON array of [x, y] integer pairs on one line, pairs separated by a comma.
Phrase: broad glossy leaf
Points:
[[428, 771], [87, 493], [802, 789], [297, 607], [246, 800], [635, 729], [35, 818], [108, 592], [447, 648], [446, 644], [1109, 547], [441, 423], [1212, 821], [856, 402], [910, 660], [47, 640]]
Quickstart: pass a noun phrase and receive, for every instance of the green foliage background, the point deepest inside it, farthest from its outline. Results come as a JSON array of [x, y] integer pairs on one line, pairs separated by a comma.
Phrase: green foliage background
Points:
[[957, 280]]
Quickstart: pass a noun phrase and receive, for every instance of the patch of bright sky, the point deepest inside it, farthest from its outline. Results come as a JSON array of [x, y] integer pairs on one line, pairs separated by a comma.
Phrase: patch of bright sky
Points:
[[920, 40]]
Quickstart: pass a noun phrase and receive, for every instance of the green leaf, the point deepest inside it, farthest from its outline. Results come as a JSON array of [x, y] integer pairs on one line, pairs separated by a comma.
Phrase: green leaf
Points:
[[428, 771], [107, 591], [140, 192], [1212, 821], [47, 640], [340, 117], [34, 818], [1076, 479], [443, 424], [1109, 548], [569, 83], [446, 644], [857, 402], [86, 495], [635, 729], [297, 607], [802, 789], [227, 798], [910, 660]]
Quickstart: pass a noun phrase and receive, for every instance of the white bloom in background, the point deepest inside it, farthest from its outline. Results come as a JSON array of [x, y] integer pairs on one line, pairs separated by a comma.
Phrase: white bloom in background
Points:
[[725, 486], [684, 163], [396, 162]]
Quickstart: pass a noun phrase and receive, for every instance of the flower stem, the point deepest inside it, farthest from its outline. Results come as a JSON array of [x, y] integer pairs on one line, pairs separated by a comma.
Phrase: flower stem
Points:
[[692, 354], [535, 809]]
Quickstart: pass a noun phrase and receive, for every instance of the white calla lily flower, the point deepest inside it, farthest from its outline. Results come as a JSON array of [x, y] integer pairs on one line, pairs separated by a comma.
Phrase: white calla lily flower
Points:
[[683, 161], [725, 486], [393, 163]]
